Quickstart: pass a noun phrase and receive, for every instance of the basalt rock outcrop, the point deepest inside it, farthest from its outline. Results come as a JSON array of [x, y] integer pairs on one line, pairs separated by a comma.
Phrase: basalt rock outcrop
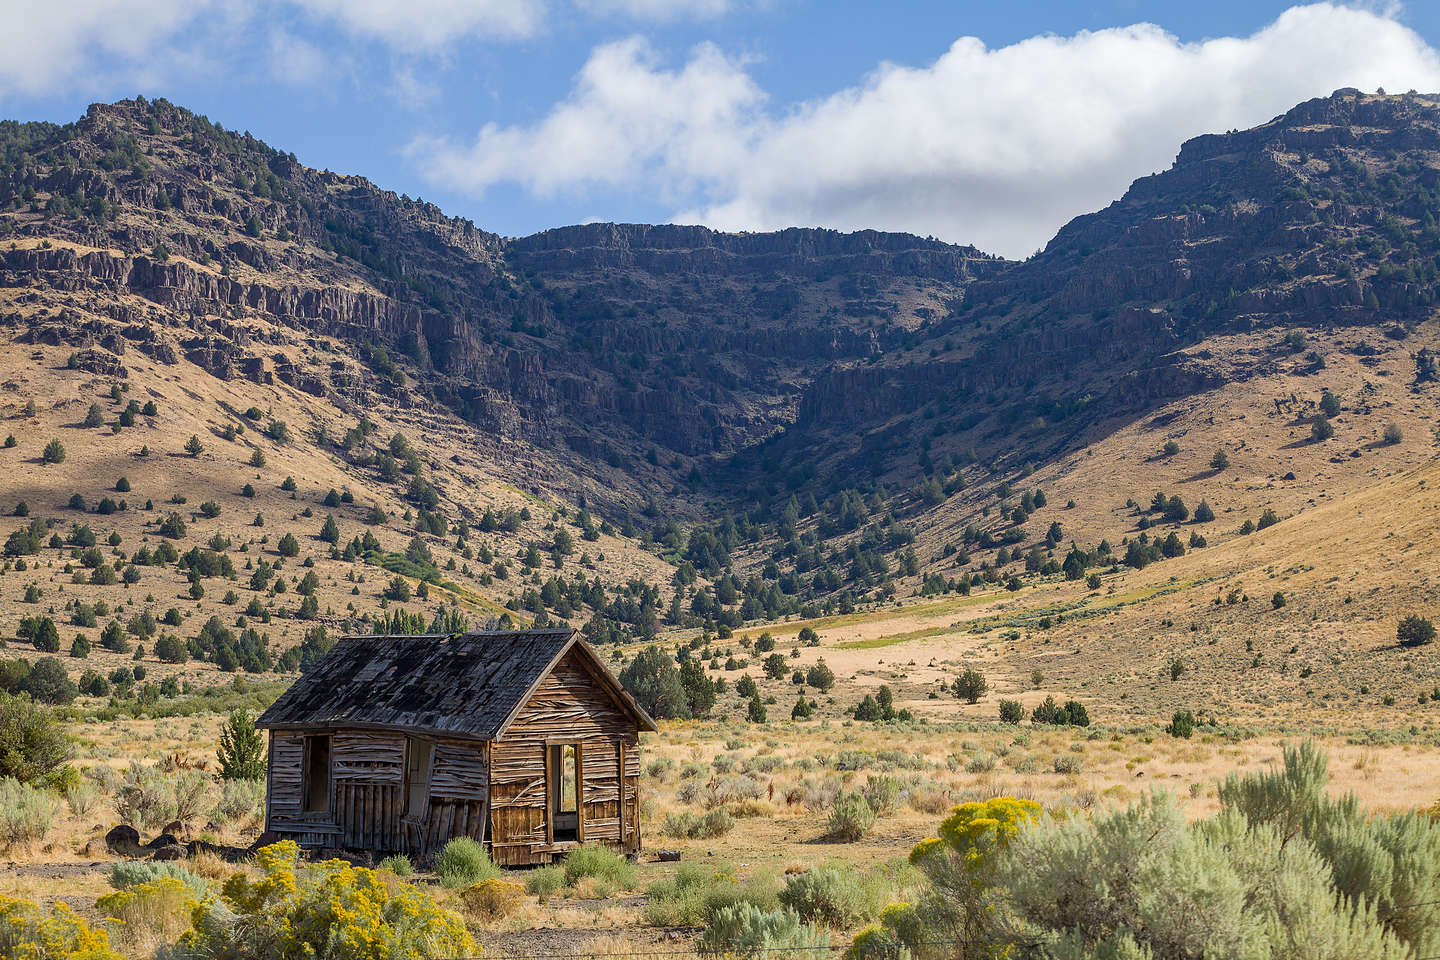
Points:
[[677, 351]]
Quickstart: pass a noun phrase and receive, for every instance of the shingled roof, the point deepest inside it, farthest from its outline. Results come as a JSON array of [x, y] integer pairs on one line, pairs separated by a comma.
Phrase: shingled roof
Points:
[[468, 685]]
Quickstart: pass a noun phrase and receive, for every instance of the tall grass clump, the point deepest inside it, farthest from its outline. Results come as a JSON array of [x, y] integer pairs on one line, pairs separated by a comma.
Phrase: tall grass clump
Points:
[[545, 882], [462, 862], [835, 897], [697, 892], [240, 801], [148, 915], [398, 864], [713, 823]]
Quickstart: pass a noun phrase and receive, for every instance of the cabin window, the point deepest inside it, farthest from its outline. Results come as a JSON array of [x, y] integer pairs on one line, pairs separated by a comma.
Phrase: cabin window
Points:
[[565, 785], [317, 774], [417, 776]]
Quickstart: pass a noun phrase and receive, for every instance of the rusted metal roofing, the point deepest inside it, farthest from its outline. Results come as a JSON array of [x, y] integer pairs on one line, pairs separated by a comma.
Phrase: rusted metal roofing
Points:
[[469, 684]]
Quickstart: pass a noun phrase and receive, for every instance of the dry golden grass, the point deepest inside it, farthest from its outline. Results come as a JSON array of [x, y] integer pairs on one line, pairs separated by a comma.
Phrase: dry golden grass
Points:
[[192, 403]]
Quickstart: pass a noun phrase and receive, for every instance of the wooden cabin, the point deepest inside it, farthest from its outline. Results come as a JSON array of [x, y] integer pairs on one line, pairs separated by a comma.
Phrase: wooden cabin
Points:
[[522, 740]]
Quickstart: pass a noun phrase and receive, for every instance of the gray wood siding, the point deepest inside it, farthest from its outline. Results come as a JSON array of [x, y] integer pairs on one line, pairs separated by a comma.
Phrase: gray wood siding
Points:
[[459, 771], [568, 706], [287, 757]]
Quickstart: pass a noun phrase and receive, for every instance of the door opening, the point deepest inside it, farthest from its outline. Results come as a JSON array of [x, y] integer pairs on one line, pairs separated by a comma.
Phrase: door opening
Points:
[[565, 790], [317, 774], [417, 776]]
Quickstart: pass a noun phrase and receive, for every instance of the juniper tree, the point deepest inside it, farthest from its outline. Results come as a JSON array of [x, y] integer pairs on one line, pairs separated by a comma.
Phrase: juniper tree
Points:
[[242, 748]]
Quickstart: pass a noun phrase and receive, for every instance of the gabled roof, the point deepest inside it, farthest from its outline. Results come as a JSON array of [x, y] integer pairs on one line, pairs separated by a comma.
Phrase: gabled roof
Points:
[[469, 685]]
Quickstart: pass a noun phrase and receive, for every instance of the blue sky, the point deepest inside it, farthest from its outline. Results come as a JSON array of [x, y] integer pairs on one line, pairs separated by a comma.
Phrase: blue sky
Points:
[[744, 114]]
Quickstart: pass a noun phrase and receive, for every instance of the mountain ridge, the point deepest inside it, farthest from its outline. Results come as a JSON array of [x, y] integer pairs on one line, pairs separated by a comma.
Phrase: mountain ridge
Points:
[[728, 375]]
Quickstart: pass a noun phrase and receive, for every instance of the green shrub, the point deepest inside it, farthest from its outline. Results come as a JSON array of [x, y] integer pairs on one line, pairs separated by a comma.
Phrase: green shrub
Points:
[[242, 748], [545, 882], [835, 897], [1011, 711], [129, 873], [970, 686], [850, 817], [398, 864], [602, 863], [462, 862], [25, 812], [745, 928], [1414, 631], [34, 744], [1182, 724]]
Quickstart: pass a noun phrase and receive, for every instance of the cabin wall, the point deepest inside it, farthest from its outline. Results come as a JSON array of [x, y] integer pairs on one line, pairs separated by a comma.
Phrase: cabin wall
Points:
[[285, 793], [367, 809], [569, 706], [458, 794], [367, 778]]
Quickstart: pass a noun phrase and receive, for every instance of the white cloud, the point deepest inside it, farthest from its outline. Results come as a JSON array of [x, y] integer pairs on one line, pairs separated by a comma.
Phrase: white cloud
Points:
[[628, 123], [99, 45], [45, 46], [657, 10], [992, 146], [418, 25]]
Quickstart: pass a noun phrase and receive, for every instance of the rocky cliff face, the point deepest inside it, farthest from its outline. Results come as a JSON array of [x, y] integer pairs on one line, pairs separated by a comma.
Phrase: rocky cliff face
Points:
[[1325, 216], [607, 339], [816, 351]]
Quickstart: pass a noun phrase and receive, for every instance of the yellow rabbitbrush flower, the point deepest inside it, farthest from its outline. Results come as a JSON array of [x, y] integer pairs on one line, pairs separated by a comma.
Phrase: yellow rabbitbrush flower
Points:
[[974, 831], [325, 911], [960, 864], [28, 933]]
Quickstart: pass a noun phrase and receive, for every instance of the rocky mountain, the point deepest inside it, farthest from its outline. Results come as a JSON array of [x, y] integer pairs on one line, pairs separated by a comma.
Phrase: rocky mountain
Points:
[[611, 343], [807, 382], [1324, 218]]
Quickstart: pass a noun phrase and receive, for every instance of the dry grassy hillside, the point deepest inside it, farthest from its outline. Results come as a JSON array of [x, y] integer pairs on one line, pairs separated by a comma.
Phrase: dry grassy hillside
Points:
[[245, 468]]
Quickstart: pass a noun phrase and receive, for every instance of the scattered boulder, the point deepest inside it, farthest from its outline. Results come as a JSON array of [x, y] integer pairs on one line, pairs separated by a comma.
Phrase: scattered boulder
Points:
[[166, 839], [124, 841], [170, 851], [265, 839], [176, 829], [667, 856]]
